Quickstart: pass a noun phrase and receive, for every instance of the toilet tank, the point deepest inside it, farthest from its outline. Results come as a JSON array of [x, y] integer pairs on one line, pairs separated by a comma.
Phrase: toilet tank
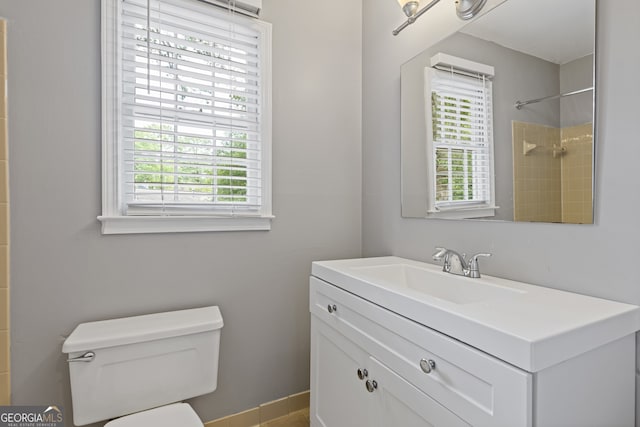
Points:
[[136, 363]]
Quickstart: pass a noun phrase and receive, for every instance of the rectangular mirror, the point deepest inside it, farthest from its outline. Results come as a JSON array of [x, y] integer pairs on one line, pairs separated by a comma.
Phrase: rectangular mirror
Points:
[[497, 119]]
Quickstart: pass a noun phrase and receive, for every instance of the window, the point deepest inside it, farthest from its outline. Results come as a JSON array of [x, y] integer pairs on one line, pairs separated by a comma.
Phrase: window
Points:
[[460, 143], [186, 118]]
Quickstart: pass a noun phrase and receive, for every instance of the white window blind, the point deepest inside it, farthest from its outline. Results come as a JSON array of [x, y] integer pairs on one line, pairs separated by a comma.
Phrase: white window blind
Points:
[[186, 118], [191, 112], [461, 140]]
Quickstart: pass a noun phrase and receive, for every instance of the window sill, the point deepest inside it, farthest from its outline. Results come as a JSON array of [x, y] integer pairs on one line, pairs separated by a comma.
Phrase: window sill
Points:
[[181, 224], [468, 213]]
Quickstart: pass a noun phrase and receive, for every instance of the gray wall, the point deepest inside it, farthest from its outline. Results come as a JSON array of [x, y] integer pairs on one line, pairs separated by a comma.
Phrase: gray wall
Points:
[[518, 76], [576, 75], [595, 259], [64, 272]]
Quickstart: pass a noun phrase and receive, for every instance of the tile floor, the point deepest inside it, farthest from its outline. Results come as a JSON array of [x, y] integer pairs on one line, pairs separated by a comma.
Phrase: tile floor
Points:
[[294, 419]]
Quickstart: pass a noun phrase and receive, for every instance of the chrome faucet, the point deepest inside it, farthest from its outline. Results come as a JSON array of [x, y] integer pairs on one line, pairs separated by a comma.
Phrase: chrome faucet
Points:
[[455, 263]]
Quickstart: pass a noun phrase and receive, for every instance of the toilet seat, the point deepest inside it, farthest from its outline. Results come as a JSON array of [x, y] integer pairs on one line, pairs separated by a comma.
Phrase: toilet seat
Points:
[[177, 414]]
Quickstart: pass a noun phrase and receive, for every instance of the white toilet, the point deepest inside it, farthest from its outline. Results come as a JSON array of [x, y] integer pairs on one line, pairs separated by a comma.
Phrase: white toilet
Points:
[[131, 367]]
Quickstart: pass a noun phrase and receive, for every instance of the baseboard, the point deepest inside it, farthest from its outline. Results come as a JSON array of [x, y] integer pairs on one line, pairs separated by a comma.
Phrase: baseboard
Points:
[[264, 413]]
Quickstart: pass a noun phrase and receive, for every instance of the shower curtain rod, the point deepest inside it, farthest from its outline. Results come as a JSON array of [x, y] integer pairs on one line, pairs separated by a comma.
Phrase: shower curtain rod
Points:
[[521, 104]]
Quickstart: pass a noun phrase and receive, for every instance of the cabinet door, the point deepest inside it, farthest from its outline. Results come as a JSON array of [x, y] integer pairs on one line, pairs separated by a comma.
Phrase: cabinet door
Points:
[[338, 397], [401, 404]]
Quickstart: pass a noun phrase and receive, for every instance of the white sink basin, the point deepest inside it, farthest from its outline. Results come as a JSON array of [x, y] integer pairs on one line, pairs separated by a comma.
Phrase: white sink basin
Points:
[[532, 327], [449, 287]]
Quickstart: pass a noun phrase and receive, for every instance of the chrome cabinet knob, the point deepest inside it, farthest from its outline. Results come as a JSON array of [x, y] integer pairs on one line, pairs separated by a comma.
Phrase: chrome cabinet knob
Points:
[[363, 373], [371, 385], [427, 365], [332, 308]]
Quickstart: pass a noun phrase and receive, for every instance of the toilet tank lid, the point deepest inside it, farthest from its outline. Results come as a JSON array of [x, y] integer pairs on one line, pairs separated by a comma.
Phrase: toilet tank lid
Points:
[[149, 327]]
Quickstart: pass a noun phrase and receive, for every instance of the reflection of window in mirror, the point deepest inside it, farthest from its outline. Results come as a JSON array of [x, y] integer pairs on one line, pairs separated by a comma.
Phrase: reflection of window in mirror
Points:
[[459, 109]]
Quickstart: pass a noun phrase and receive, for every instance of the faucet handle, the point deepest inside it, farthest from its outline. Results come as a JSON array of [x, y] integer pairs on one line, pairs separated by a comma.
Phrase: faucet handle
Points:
[[440, 252], [475, 257], [474, 267]]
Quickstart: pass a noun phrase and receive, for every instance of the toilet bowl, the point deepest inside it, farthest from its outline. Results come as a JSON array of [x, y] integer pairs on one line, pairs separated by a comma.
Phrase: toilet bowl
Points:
[[177, 414], [138, 369]]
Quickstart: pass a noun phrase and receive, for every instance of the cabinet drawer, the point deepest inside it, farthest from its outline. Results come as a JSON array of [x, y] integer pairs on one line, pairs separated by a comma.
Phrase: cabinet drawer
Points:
[[480, 389]]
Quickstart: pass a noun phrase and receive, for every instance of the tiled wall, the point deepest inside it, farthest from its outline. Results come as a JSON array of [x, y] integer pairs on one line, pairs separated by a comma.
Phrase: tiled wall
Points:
[[577, 171], [536, 175], [4, 227], [552, 188]]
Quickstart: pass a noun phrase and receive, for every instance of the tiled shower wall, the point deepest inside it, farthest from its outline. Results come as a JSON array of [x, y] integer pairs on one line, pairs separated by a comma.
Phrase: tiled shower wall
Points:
[[536, 175], [4, 227], [552, 188], [577, 170]]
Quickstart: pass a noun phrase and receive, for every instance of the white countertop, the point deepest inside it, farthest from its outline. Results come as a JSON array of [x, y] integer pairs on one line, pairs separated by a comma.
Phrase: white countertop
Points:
[[533, 327]]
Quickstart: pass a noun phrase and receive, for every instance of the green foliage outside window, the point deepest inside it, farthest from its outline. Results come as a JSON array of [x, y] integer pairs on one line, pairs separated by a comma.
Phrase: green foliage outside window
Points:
[[216, 174]]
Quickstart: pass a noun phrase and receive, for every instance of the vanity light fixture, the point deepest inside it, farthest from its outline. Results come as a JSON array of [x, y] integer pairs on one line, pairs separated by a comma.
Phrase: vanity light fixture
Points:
[[465, 9]]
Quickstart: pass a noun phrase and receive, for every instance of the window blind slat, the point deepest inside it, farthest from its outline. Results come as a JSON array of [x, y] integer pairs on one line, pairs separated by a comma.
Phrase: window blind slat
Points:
[[152, 146], [459, 124], [216, 183], [205, 134], [220, 166], [172, 115], [474, 95], [175, 191], [190, 104], [219, 163]]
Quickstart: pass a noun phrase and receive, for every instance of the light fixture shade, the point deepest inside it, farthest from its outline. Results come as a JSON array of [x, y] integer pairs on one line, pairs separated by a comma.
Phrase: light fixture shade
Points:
[[467, 9], [409, 7]]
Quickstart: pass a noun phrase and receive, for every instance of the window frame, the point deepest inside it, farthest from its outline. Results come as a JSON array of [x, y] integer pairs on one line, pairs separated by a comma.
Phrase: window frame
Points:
[[466, 210], [114, 218]]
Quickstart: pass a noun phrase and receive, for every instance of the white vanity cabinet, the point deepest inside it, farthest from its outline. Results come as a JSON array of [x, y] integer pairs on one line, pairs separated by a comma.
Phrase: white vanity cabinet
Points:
[[466, 387], [374, 366]]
